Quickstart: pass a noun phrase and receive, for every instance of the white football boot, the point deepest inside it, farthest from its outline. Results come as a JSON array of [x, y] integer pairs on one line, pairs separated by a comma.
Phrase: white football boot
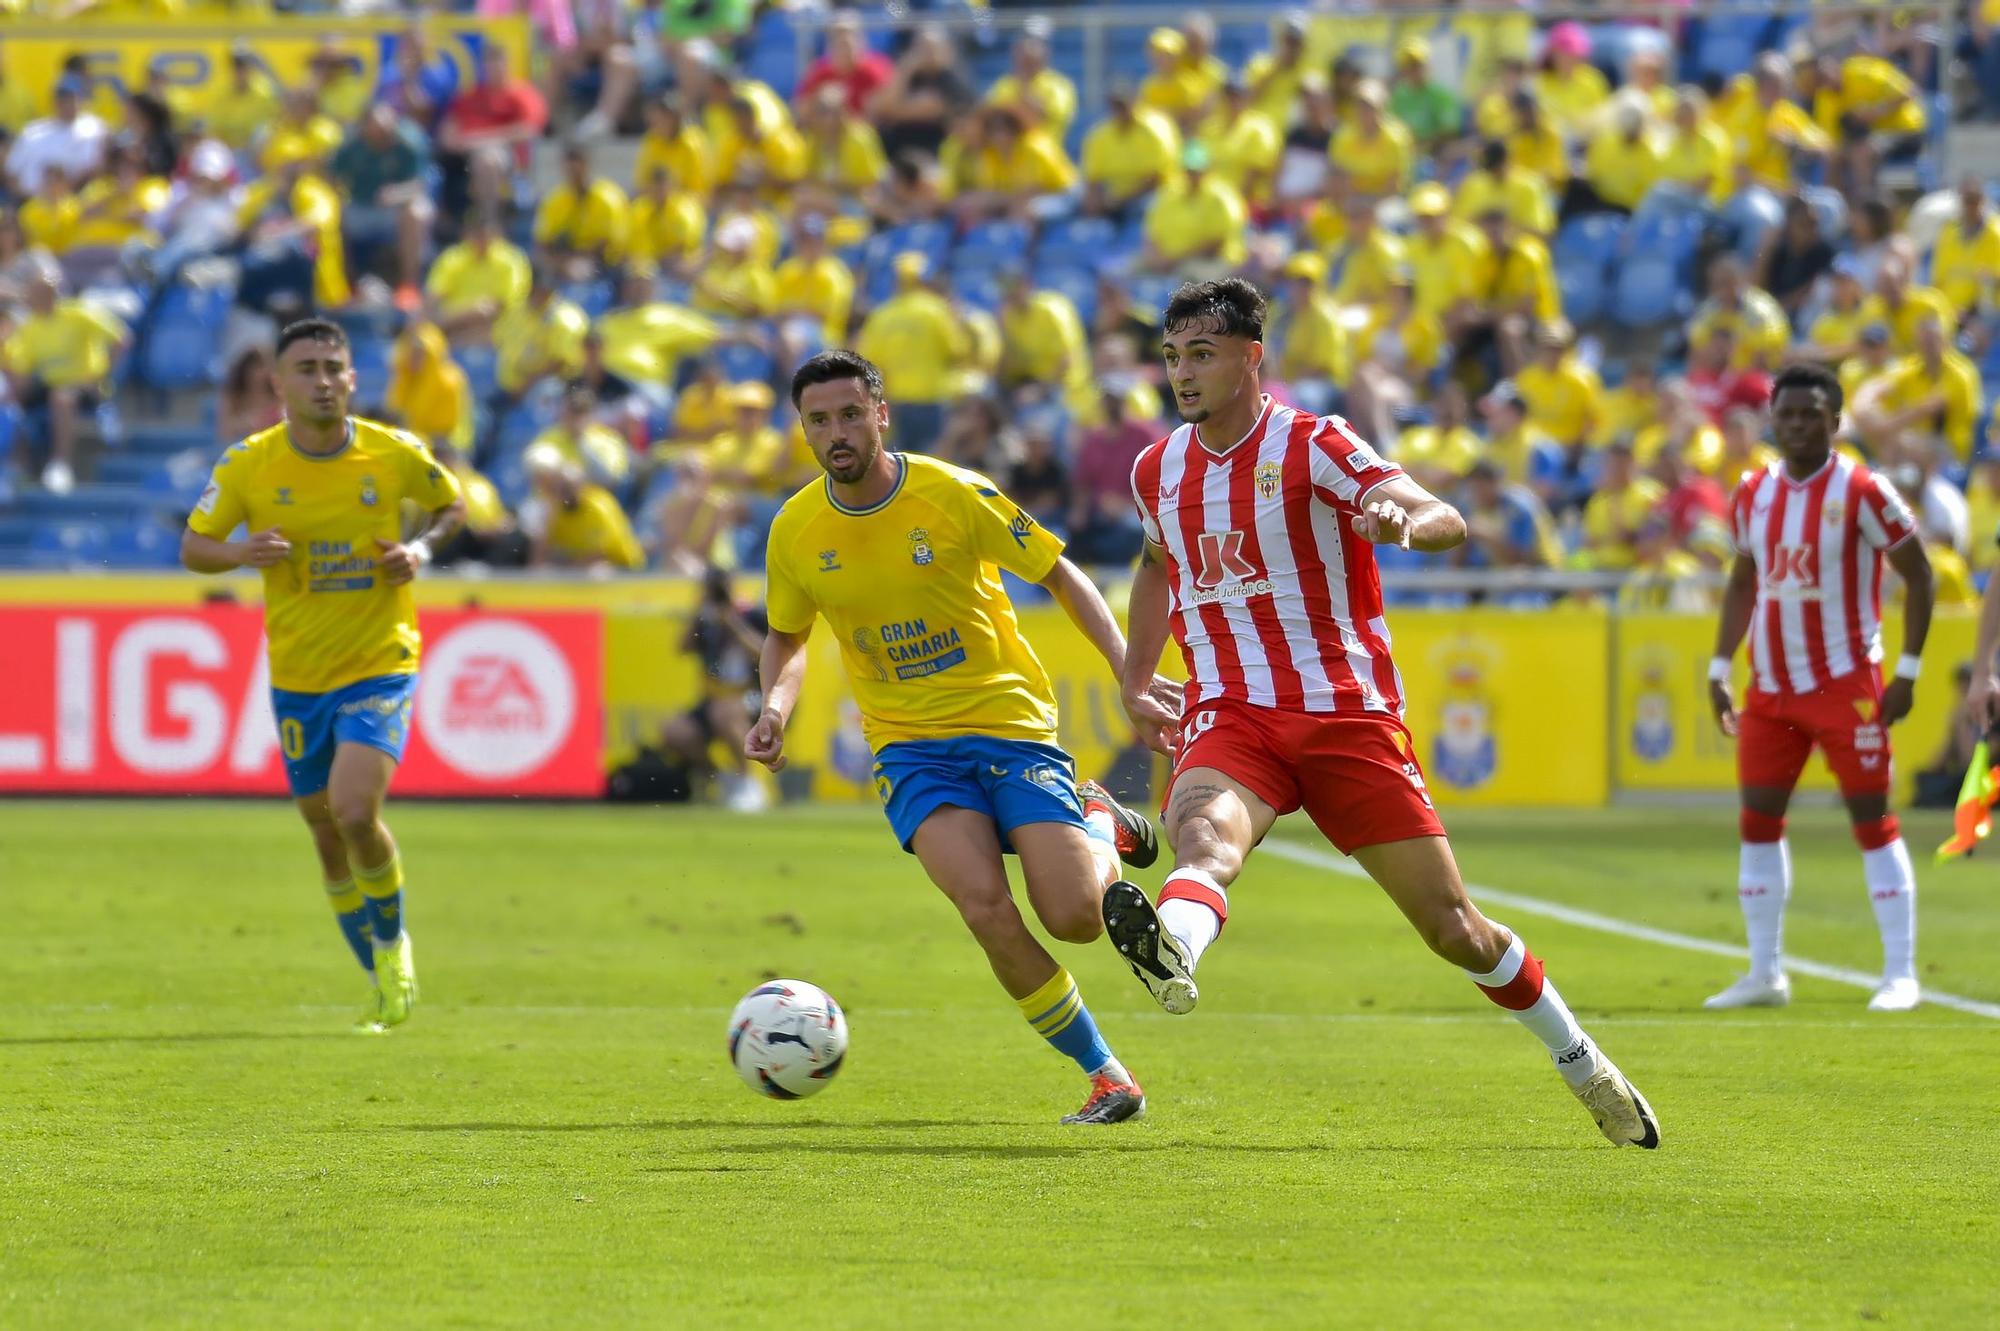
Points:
[[1753, 991]]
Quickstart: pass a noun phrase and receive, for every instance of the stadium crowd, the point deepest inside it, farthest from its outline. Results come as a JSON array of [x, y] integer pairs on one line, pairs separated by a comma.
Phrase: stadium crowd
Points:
[[1550, 267]]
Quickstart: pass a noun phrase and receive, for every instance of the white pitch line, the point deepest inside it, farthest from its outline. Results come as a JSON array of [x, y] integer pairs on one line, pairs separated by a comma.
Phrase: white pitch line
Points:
[[1645, 933]]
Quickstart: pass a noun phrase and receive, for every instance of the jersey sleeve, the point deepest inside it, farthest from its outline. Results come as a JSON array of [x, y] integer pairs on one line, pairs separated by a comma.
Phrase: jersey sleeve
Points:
[[426, 480], [1739, 518], [1343, 464], [1003, 533], [220, 510], [1883, 519], [1149, 521], [787, 607]]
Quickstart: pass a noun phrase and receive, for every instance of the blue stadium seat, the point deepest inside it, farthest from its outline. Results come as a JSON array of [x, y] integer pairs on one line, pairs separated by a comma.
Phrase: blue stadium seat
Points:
[[741, 361], [978, 286], [482, 370], [183, 337], [1749, 214], [1584, 289], [167, 440], [145, 544], [1077, 240], [1078, 283], [994, 245], [1592, 238], [1666, 231], [1723, 45], [1648, 291], [930, 239], [72, 543], [1829, 207], [372, 359], [1153, 290]]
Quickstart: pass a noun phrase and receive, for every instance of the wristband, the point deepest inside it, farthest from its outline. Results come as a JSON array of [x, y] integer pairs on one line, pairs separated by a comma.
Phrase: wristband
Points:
[[1908, 667], [1719, 670], [419, 551]]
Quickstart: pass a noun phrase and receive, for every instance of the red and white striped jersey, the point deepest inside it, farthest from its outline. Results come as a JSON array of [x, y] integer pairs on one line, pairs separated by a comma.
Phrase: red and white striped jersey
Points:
[[1818, 547], [1273, 598]]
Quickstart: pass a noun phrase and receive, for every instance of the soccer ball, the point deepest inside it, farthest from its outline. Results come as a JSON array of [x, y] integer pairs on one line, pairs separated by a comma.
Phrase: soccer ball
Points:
[[787, 1038]]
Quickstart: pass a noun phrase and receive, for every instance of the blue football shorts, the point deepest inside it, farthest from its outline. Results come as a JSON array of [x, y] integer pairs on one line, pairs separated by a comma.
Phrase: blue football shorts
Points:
[[1012, 781], [375, 712]]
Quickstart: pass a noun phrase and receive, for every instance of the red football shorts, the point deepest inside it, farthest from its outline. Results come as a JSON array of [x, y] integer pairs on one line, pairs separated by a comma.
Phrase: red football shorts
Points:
[[1355, 775], [1775, 734]]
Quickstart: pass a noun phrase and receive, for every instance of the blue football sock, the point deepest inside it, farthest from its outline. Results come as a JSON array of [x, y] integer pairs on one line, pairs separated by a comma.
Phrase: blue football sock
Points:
[[1057, 1013], [351, 910]]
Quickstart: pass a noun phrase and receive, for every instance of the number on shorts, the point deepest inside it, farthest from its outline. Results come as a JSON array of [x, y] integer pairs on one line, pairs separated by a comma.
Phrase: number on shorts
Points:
[[292, 737]]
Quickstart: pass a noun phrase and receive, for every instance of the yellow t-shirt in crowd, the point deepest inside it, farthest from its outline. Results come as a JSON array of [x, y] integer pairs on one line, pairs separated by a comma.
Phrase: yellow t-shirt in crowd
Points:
[[530, 342], [918, 342], [1610, 519], [593, 528], [596, 221], [668, 230], [1562, 403], [1919, 304], [1042, 341], [911, 588], [1622, 170], [1957, 382], [1378, 164], [1206, 217], [68, 346], [1052, 94], [1525, 196], [686, 157], [329, 617], [1702, 161], [822, 287], [462, 277], [1965, 268], [1130, 159]]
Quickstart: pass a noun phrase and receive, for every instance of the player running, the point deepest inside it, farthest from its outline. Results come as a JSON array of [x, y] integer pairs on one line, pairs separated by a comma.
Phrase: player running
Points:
[[321, 496], [901, 554], [1811, 533], [1259, 522]]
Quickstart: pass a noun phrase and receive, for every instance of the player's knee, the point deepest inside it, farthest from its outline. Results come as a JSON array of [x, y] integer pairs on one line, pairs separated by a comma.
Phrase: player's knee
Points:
[[1073, 922], [355, 816], [1460, 935], [991, 916]]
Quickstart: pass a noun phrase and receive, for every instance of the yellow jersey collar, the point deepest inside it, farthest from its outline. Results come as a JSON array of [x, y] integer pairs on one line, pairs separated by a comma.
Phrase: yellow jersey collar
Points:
[[902, 474]]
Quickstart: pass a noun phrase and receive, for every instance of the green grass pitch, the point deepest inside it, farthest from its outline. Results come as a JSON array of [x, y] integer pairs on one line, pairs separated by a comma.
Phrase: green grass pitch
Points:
[[1344, 1135]]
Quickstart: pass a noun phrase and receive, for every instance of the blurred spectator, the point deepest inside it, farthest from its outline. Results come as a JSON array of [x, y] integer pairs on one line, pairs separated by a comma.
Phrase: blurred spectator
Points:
[[1537, 145], [1524, 455], [674, 145], [725, 637], [577, 439], [1769, 129], [299, 134], [1519, 279], [1569, 88], [1663, 576], [1717, 379], [1872, 239], [1836, 333], [1312, 352], [1041, 338], [735, 282], [976, 435], [1376, 152], [1440, 454], [338, 86], [1792, 258], [573, 523], [912, 193], [48, 220], [1903, 306], [72, 140], [926, 94], [248, 400], [584, 223], [539, 338], [1743, 446], [150, 125], [719, 485], [1494, 114], [1126, 157], [476, 281], [381, 172], [1175, 88], [1277, 78], [1965, 264], [1758, 323], [490, 535], [1005, 169], [848, 66], [428, 393], [812, 288], [417, 81], [604, 57], [1626, 409], [1521, 197], [1038, 481], [1103, 525], [667, 227], [1915, 461], [1425, 107], [842, 150], [753, 147], [1042, 94], [292, 256], [1646, 84], [917, 341], [1197, 224], [1625, 160], [1869, 108], [1698, 158], [200, 217], [1367, 258], [1935, 390], [1243, 144], [1689, 499], [1872, 358], [1562, 392], [1982, 505], [646, 338], [1679, 422], [245, 104], [1621, 503], [1304, 165], [1506, 526], [58, 360], [113, 212], [489, 131]]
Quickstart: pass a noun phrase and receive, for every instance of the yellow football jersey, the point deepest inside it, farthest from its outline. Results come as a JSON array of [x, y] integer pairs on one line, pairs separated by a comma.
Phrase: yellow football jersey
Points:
[[329, 617], [911, 588]]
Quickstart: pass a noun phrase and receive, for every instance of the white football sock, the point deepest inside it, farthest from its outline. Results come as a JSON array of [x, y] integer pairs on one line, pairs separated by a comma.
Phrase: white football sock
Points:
[[1892, 890], [1544, 1013], [1193, 924], [1116, 1071], [1102, 833], [1763, 884]]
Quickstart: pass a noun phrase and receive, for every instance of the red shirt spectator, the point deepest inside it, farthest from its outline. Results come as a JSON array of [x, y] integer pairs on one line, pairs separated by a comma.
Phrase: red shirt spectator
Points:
[[1102, 476], [860, 72], [499, 109], [1721, 391]]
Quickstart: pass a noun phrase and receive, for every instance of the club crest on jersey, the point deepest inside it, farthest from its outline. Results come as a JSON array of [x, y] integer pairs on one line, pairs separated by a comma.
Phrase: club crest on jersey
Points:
[[920, 547], [1831, 513], [1270, 478], [284, 499], [368, 496], [1865, 708]]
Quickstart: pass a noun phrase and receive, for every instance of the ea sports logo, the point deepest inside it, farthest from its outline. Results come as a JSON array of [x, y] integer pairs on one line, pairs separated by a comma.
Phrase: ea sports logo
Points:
[[496, 701]]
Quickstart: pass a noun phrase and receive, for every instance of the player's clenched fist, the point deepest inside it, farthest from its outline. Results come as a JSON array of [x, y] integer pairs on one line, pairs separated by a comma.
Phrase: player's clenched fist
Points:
[[1722, 705], [399, 563], [1385, 522], [266, 548], [766, 741], [1155, 713]]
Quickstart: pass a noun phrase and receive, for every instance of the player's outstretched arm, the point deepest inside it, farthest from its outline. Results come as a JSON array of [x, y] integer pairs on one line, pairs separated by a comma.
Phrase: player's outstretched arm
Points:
[[205, 554], [1913, 566], [1401, 512], [1739, 598], [782, 672]]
